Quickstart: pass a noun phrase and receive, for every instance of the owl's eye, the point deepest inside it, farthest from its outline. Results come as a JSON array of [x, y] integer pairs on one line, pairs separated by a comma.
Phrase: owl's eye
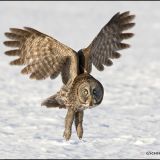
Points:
[[85, 91], [94, 91]]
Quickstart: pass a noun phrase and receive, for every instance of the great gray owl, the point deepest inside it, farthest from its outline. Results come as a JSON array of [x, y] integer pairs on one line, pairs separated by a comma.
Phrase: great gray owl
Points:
[[45, 57]]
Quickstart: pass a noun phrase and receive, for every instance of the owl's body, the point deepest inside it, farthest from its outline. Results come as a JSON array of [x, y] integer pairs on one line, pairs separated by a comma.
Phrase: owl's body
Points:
[[67, 96], [45, 57]]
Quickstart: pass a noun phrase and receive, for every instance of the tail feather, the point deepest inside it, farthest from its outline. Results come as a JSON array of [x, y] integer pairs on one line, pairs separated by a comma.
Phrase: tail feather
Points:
[[51, 102]]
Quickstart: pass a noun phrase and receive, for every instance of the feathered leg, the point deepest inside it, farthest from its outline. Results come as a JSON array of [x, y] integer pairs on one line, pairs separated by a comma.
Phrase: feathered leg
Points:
[[78, 123], [68, 124]]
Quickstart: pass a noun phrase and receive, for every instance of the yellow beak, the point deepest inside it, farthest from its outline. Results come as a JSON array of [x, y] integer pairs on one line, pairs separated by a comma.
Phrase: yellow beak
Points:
[[90, 101]]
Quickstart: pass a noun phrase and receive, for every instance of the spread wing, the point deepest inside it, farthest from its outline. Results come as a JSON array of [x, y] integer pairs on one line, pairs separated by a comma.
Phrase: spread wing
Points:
[[109, 40], [43, 55]]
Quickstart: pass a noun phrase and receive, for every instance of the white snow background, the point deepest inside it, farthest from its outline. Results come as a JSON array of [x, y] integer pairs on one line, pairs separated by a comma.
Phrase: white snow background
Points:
[[125, 125]]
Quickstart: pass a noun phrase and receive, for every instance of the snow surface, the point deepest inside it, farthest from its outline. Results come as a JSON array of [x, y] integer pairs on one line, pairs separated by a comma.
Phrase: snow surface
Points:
[[125, 125]]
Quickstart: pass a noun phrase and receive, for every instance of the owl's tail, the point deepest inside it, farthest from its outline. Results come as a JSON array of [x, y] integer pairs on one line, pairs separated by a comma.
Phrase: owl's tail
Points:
[[51, 102]]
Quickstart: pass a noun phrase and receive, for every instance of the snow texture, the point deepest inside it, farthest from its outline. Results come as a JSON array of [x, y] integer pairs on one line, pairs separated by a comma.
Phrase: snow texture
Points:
[[125, 125]]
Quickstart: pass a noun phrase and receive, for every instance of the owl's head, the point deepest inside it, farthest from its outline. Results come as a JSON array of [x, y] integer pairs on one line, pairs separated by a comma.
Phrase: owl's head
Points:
[[88, 91]]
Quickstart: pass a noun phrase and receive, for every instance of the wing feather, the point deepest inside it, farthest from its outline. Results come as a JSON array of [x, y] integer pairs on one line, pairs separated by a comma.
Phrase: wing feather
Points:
[[43, 55], [15, 52], [105, 45]]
